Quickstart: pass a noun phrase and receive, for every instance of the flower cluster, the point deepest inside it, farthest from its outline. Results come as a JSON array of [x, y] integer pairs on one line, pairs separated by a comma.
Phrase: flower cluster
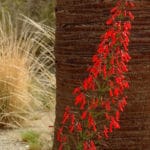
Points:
[[102, 93]]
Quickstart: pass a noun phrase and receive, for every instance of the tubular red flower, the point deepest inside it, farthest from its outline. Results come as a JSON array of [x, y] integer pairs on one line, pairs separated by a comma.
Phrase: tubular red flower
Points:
[[84, 115], [94, 103], [114, 123], [107, 116], [106, 130], [71, 128], [129, 4], [110, 93], [65, 117], [60, 137], [106, 80], [80, 99], [116, 92], [92, 146], [131, 15], [117, 115], [79, 127], [107, 105], [85, 145], [109, 21], [114, 9], [104, 72], [99, 136], [60, 147], [77, 90], [91, 123]]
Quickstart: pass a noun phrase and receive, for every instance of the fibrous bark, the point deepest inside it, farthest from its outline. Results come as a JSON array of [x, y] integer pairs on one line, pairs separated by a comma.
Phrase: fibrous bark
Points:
[[79, 26]]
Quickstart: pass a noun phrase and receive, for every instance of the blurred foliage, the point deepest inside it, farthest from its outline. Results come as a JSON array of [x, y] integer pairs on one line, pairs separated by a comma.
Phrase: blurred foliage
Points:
[[38, 10]]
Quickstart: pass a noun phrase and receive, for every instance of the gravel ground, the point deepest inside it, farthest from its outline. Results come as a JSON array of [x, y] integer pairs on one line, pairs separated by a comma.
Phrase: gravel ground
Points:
[[11, 139]]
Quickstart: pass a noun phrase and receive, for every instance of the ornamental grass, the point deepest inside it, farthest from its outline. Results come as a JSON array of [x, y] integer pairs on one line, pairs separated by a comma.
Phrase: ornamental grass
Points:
[[25, 60]]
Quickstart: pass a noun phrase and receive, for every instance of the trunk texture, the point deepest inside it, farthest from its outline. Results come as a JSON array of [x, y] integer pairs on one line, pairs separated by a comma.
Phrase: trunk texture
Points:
[[79, 26]]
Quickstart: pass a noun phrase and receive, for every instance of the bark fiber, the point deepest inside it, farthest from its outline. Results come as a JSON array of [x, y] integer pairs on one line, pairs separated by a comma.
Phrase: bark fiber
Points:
[[79, 26]]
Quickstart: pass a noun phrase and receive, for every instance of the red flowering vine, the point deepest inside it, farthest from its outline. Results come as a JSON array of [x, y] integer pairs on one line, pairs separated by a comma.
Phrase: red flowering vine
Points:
[[102, 93]]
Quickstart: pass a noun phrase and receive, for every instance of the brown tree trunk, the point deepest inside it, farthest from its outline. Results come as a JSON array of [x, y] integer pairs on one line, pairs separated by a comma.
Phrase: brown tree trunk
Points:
[[79, 26]]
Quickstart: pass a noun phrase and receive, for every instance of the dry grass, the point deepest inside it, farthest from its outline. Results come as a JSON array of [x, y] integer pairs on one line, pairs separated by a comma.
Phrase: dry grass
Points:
[[25, 60]]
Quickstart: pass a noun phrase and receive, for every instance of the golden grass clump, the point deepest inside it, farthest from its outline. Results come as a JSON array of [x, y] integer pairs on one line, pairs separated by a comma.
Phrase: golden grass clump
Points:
[[26, 59], [13, 91]]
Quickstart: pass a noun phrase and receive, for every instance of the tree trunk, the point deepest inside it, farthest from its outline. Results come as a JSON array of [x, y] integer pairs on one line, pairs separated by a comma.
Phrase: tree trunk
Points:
[[79, 26]]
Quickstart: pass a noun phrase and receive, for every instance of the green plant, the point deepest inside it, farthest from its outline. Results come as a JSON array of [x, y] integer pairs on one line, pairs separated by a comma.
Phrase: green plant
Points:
[[32, 138]]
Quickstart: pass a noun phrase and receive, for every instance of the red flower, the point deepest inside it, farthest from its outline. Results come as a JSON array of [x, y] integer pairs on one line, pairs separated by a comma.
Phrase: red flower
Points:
[[65, 117], [117, 115], [107, 105], [67, 109], [95, 58], [92, 146], [130, 4], [104, 72], [131, 15], [83, 104], [115, 123], [91, 122], [85, 145], [76, 90], [112, 60], [95, 71], [99, 136], [126, 84], [79, 127], [107, 116], [111, 84], [125, 13], [116, 92], [72, 119], [125, 56], [114, 9], [84, 114], [113, 101], [80, 99], [127, 25], [110, 127], [100, 49], [111, 71], [60, 147], [122, 104], [107, 35], [85, 84], [110, 93], [94, 103], [59, 133], [108, 69], [109, 21], [71, 128], [106, 132], [88, 83], [124, 67], [60, 136]]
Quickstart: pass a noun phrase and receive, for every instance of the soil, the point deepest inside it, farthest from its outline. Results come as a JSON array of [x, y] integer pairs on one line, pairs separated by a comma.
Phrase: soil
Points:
[[10, 139]]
